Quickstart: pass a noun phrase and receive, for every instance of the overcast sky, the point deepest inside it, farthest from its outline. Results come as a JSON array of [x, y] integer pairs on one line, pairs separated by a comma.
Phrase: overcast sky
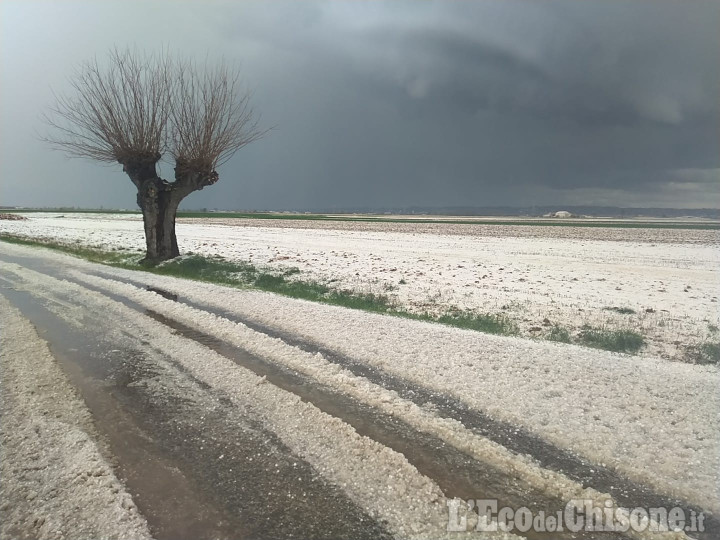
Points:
[[396, 104]]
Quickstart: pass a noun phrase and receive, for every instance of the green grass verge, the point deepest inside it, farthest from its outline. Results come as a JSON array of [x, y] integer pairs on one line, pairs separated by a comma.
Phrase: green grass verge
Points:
[[626, 341], [559, 334], [246, 275], [707, 353], [621, 224], [114, 258], [481, 322]]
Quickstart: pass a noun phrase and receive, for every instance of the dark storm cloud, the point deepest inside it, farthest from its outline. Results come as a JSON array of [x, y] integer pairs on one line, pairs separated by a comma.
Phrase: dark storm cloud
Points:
[[409, 103], [618, 66]]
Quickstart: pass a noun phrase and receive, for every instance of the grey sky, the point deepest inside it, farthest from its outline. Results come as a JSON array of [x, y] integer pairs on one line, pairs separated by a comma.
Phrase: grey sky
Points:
[[394, 103]]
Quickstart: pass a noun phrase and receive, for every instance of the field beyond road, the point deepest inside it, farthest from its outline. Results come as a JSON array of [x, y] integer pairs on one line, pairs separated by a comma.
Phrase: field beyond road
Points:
[[645, 290]]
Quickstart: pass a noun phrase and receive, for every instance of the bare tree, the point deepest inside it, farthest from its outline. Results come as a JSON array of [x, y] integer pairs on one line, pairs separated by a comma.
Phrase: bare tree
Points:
[[141, 107]]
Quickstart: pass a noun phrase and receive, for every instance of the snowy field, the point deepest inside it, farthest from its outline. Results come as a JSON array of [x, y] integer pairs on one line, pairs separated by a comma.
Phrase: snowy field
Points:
[[664, 281]]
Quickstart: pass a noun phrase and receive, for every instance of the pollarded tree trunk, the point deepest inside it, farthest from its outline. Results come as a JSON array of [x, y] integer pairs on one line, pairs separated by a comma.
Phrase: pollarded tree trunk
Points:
[[159, 202]]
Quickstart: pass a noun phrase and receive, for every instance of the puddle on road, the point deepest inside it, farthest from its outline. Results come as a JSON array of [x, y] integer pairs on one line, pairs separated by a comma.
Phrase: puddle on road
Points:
[[172, 504]]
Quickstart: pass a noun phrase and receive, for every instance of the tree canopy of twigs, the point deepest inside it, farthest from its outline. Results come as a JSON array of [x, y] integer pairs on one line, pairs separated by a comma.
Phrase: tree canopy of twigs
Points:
[[137, 107], [211, 117], [115, 113]]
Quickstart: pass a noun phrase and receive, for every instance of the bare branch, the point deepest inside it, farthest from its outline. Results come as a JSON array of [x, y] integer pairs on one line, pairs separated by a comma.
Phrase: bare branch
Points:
[[118, 112], [211, 119], [132, 107]]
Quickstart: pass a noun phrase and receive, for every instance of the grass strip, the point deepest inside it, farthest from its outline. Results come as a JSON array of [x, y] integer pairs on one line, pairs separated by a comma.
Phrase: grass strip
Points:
[[220, 271]]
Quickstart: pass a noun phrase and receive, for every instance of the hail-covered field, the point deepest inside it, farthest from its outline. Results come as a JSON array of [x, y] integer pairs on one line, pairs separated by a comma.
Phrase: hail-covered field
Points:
[[546, 280]]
